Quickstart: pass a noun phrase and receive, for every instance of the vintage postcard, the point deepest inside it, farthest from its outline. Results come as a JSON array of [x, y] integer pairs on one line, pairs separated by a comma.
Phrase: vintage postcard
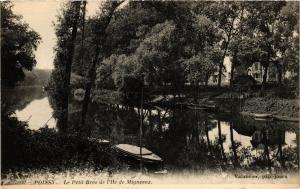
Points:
[[149, 94]]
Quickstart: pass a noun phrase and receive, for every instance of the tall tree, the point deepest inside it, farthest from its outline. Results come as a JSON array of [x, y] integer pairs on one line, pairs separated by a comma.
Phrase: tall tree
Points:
[[227, 18], [262, 23], [286, 37], [244, 51], [18, 43], [200, 67], [66, 32], [99, 36], [151, 49], [204, 52]]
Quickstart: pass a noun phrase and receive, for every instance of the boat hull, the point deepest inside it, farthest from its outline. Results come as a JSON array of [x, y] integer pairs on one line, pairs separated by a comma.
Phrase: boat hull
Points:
[[133, 158], [263, 116]]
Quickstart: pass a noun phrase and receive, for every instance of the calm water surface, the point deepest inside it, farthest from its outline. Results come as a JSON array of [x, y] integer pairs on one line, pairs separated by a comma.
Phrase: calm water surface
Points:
[[37, 113], [185, 139]]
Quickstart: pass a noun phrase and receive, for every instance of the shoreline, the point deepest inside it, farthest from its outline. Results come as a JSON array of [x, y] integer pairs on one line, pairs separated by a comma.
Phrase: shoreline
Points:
[[274, 117]]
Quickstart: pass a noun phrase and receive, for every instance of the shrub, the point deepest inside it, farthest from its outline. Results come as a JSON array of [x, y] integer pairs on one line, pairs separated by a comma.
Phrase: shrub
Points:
[[244, 82], [24, 148]]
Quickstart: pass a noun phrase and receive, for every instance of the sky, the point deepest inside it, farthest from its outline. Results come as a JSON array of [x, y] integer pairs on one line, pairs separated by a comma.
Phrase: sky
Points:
[[40, 15]]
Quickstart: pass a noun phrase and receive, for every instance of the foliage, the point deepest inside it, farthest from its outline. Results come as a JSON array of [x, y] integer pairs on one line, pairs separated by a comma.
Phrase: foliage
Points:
[[201, 66], [244, 51], [36, 77], [150, 62], [18, 43], [59, 82], [167, 50], [274, 28], [141, 44], [157, 49], [47, 148], [244, 82], [227, 18]]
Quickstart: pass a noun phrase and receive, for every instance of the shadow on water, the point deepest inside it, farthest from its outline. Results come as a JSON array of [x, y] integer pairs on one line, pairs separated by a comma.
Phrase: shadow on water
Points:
[[186, 139], [18, 98], [196, 140], [28, 103]]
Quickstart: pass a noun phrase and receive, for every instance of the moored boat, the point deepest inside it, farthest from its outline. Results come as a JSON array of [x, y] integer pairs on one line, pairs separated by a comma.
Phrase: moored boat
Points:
[[134, 152], [263, 116], [263, 119]]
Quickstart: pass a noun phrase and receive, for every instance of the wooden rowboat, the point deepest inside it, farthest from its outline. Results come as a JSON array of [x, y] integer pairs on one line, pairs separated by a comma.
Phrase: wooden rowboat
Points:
[[263, 116], [134, 152]]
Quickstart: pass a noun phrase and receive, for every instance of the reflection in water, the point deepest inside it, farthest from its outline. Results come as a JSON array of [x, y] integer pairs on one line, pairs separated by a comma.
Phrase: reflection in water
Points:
[[225, 128], [290, 138], [196, 140], [37, 113], [19, 97], [185, 139]]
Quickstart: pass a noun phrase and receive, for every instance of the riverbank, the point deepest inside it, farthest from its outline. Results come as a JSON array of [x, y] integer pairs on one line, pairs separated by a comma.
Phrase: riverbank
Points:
[[276, 106], [226, 101], [168, 138], [48, 148]]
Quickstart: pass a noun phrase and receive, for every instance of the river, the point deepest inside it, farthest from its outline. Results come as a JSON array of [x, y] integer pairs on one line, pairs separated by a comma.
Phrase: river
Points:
[[185, 139], [38, 113]]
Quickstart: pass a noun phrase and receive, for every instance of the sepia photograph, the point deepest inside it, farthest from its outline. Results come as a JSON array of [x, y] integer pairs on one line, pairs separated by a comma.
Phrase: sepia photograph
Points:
[[149, 94]]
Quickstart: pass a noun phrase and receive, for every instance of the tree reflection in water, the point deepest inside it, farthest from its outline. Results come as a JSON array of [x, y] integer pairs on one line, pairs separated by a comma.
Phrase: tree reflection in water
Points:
[[183, 138]]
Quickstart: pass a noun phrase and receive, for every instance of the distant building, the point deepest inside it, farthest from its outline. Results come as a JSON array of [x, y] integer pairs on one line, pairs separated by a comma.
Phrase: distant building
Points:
[[257, 72], [213, 79]]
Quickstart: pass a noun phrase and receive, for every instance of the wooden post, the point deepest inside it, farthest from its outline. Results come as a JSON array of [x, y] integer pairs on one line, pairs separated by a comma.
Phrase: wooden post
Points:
[[141, 127]]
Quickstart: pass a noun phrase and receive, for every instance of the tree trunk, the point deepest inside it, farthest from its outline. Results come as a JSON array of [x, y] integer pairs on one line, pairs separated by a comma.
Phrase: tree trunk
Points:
[[221, 142], [159, 121], [195, 93], [174, 97], [229, 36], [150, 121], [206, 80], [224, 53], [141, 129], [221, 63], [231, 71], [279, 72], [220, 74], [88, 86], [263, 85], [281, 158], [92, 71], [297, 144], [207, 137], [267, 154], [235, 163], [82, 32], [70, 53]]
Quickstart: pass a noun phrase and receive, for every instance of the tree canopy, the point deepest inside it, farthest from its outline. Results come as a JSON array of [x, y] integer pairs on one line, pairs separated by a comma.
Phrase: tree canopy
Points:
[[169, 44], [18, 43]]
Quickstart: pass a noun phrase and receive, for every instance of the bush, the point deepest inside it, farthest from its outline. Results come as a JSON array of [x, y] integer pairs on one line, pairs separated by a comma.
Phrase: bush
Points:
[[47, 148], [284, 91], [244, 82]]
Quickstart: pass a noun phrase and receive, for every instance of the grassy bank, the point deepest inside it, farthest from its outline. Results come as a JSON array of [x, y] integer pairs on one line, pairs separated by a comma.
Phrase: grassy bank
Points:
[[277, 106], [225, 99]]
